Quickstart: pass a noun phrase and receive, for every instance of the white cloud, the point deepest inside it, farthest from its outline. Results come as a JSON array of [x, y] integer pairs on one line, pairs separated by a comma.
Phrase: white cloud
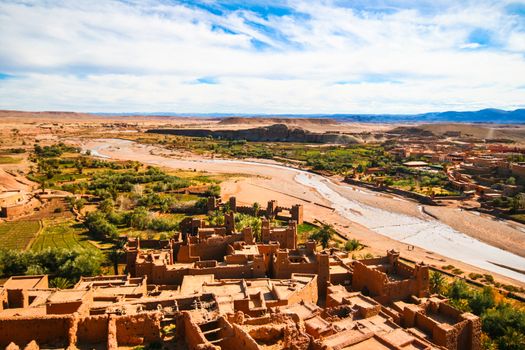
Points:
[[112, 56]]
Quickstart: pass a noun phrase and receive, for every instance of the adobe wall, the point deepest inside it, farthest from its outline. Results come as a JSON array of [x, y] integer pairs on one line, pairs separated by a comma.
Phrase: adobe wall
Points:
[[138, 329], [378, 285], [234, 337], [192, 334], [308, 294], [92, 330], [213, 248], [17, 298], [398, 290], [63, 308], [365, 278], [240, 340], [11, 212], [286, 236], [284, 269], [162, 274], [470, 336], [45, 330], [3, 299]]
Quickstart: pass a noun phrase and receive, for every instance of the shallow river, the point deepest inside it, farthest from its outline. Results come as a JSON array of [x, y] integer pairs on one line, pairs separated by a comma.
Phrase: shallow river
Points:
[[429, 234]]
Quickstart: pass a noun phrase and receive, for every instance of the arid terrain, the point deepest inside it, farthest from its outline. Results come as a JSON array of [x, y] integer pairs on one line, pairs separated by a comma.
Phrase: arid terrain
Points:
[[266, 182], [177, 224]]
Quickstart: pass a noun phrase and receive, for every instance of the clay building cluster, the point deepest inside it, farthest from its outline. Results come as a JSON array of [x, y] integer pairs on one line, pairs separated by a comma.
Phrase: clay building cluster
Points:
[[473, 167], [211, 287]]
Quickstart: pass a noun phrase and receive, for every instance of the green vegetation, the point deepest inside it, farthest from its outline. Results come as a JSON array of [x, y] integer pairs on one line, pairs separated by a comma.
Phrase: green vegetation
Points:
[[9, 160], [54, 150], [68, 264], [352, 245], [244, 220], [130, 197], [304, 231], [369, 162], [324, 235], [12, 151], [437, 282], [18, 234], [62, 234], [503, 323]]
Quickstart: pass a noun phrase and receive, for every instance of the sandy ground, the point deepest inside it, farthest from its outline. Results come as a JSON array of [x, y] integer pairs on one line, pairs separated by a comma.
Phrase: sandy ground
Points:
[[506, 235], [265, 183]]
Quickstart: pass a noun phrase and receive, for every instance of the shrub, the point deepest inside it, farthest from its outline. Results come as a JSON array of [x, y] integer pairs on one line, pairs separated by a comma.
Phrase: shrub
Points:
[[489, 278], [99, 226], [352, 244]]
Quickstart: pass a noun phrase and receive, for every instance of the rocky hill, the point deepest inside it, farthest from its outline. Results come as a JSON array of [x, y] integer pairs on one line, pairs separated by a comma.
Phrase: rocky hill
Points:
[[272, 133]]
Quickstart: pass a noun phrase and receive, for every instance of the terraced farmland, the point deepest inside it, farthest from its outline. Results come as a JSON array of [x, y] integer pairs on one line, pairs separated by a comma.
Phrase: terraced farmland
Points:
[[62, 234], [17, 235]]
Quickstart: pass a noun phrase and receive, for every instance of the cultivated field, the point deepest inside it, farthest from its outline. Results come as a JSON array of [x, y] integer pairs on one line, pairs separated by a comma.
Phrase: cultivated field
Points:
[[17, 235], [62, 234]]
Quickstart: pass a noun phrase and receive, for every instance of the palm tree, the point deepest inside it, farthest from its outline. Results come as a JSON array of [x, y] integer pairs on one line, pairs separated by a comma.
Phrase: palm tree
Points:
[[114, 255], [437, 282], [324, 235], [256, 207], [60, 283]]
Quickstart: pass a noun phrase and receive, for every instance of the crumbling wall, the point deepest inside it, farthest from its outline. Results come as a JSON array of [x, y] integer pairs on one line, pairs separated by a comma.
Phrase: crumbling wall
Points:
[[307, 294], [191, 332], [138, 329], [45, 330], [234, 337]]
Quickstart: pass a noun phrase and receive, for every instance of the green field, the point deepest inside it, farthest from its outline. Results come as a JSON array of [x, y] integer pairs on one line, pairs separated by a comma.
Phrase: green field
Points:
[[9, 160], [65, 234], [17, 235], [304, 231]]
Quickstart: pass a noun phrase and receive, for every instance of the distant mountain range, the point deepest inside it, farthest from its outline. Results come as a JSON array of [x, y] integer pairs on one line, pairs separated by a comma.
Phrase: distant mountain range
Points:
[[489, 115]]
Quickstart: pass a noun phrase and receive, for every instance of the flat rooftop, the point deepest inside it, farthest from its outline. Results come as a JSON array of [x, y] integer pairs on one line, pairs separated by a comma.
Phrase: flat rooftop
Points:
[[67, 296], [23, 282]]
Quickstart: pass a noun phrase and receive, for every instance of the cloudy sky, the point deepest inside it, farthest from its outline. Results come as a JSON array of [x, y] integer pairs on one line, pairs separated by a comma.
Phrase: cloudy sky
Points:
[[296, 56]]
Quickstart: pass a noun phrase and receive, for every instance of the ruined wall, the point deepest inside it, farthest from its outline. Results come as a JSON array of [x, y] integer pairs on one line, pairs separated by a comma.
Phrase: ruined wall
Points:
[[213, 248], [308, 294], [282, 268], [138, 329], [45, 330], [234, 337], [191, 333], [241, 340], [398, 290], [375, 282]]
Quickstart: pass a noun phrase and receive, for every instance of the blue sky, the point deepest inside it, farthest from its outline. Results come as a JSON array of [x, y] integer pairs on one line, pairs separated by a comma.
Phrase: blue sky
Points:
[[229, 56]]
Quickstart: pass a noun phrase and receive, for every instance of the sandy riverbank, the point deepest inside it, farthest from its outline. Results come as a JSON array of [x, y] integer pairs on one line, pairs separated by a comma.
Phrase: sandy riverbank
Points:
[[359, 213]]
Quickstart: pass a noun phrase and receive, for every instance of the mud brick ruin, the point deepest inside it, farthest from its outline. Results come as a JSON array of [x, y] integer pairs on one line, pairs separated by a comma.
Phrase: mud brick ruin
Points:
[[211, 287]]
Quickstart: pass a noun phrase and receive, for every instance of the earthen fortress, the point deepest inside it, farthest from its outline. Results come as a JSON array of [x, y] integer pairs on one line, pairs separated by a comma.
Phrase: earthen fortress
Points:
[[211, 287]]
